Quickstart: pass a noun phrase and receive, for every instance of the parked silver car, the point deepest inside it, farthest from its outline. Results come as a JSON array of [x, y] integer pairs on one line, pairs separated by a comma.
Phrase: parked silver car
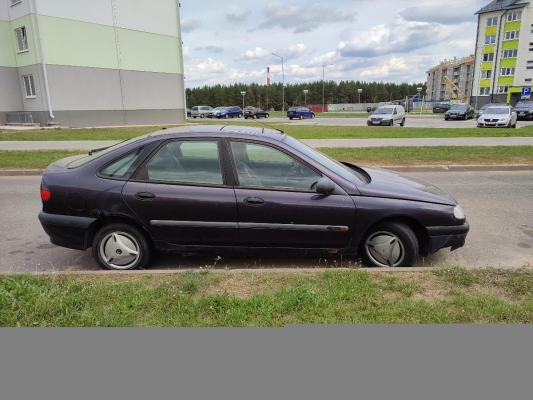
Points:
[[498, 116]]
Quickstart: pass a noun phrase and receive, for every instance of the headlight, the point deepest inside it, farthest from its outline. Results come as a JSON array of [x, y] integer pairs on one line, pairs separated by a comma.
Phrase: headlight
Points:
[[503, 119], [458, 213]]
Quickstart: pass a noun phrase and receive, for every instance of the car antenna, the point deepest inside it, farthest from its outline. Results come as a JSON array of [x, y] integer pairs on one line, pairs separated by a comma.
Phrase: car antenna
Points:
[[270, 127]]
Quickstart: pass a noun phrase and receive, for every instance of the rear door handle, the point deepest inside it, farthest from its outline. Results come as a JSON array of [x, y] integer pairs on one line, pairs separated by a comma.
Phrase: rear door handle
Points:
[[144, 196], [254, 201]]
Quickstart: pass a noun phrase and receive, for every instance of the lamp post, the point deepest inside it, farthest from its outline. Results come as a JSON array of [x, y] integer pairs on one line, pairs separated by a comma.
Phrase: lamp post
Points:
[[283, 87], [419, 90], [243, 93], [323, 68], [305, 95], [359, 91]]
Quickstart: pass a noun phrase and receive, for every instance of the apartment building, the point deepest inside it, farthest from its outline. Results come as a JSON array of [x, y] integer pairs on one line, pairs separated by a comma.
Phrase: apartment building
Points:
[[459, 70], [91, 62], [504, 52]]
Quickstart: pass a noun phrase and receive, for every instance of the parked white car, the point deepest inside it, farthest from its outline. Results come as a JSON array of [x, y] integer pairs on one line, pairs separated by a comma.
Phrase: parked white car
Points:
[[387, 115], [498, 116]]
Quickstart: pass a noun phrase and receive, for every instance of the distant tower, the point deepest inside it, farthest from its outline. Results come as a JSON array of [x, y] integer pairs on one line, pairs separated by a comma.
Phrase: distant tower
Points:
[[268, 76]]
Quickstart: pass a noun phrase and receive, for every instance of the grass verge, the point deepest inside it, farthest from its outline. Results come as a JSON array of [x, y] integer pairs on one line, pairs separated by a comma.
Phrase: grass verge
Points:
[[383, 156], [266, 298], [294, 129]]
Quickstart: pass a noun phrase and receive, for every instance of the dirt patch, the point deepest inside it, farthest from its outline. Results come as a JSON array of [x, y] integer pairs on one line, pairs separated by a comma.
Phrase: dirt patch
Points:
[[426, 286]]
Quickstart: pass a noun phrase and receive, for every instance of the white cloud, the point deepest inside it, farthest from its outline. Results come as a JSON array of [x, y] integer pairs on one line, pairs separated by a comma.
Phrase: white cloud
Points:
[[257, 54], [238, 17], [189, 25]]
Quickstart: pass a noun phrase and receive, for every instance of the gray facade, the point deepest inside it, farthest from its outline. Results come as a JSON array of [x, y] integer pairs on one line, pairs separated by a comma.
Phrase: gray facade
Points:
[[458, 70]]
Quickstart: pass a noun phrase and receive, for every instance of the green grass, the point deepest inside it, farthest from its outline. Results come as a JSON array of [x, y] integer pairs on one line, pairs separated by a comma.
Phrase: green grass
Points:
[[270, 299], [298, 131], [382, 156], [433, 155]]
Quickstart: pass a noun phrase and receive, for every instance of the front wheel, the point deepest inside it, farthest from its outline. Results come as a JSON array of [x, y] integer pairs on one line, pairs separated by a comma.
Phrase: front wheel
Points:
[[391, 122], [226, 116], [266, 115], [254, 117], [312, 116], [301, 117], [390, 244], [403, 122], [121, 246]]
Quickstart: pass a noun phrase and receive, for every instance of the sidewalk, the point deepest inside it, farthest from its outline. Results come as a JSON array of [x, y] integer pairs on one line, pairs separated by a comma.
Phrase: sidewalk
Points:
[[465, 141]]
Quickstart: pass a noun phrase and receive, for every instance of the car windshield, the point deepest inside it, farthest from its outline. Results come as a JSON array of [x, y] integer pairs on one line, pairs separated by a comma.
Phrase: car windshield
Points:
[[383, 110], [331, 164], [292, 109], [497, 110], [458, 108]]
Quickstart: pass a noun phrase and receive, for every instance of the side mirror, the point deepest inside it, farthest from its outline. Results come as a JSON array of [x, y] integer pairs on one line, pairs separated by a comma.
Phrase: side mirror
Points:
[[325, 186]]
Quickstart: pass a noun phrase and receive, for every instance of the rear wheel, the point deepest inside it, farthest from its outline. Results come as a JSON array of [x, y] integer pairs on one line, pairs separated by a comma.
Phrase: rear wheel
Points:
[[312, 116], [120, 246], [301, 117], [202, 115], [266, 115], [226, 116], [254, 117], [390, 244], [391, 122], [403, 122]]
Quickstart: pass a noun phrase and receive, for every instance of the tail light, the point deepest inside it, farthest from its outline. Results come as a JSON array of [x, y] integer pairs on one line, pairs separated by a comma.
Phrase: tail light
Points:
[[45, 192]]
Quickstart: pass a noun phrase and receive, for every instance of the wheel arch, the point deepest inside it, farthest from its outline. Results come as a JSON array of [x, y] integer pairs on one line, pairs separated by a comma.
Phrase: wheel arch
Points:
[[101, 222]]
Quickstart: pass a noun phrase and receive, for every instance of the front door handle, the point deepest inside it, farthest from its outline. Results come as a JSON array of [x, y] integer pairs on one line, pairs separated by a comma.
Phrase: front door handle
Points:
[[254, 201], [144, 196]]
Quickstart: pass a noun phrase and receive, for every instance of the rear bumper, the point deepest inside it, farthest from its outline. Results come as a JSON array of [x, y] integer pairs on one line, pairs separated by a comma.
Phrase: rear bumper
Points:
[[441, 237], [66, 230]]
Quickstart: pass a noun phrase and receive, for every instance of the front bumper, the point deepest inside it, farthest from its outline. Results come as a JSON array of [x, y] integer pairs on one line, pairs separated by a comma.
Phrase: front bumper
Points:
[[441, 237], [66, 230], [492, 124], [378, 122]]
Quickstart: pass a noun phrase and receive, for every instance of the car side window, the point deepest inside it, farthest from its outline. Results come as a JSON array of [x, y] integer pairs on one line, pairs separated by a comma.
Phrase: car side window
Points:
[[185, 161], [121, 168], [266, 167]]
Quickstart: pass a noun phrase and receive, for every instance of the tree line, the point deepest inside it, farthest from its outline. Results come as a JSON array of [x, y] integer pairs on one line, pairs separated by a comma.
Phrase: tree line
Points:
[[267, 97]]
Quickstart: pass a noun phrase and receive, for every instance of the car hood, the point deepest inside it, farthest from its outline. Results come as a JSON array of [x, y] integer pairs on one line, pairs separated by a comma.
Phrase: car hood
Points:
[[388, 184], [494, 116]]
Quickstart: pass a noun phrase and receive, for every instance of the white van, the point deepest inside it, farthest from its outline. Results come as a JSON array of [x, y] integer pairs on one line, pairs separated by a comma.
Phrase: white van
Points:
[[387, 115], [200, 111]]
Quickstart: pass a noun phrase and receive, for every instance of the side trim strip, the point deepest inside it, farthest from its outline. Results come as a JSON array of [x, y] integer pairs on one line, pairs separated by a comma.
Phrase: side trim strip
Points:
[[249, 225], [449, 230]]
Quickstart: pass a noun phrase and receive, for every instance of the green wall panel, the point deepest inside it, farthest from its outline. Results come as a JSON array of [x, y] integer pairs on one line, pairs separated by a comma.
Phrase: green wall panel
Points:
[[149, 52], [491, 30], [511, 26], [508, 62], [488, 48], [74, 43], [28, 57], [510, 44], [484, 83], [7, 51], [505, 80], [486, 66]]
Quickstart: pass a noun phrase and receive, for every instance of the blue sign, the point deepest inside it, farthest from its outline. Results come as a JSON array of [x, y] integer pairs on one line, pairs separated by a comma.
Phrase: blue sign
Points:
[[526, 91]]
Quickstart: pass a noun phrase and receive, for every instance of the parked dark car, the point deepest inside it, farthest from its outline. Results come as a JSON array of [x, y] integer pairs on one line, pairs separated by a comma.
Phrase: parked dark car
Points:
[[460, 111], [198, 189], [524, 110], [300, 113], [441, 107], [229, 112], [371, 108], [255, 113], [188, 112]]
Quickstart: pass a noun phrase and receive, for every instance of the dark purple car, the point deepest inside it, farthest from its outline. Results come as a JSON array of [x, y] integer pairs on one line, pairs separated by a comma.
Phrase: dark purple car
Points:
[[236, 188]]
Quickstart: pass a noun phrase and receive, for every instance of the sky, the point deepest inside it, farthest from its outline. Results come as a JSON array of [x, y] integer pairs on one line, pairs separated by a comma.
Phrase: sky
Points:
[[226, 42]]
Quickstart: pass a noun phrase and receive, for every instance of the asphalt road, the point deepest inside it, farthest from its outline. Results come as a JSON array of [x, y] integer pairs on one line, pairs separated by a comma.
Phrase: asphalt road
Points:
[[497, 204]]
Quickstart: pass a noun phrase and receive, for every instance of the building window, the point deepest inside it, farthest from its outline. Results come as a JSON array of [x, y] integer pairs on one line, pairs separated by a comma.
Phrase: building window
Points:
[[514, 16], [492, 21], [529, 65], [503, 89], [511, 35], [509, 53], [29, 86], [484, 91], [531, 28], [507, 71], [528, 79], [488, 57], [490, 39], [22, 39], [486, 74]]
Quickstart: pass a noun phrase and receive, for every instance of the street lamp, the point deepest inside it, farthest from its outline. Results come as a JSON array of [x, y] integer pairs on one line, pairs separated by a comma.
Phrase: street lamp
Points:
[[283, 81], [418, 89], [323, 67], [243, 93], [305, 94], [359, 91]]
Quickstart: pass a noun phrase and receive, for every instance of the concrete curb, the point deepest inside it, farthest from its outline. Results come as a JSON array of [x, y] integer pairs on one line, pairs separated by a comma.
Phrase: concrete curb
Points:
[[397, 168]]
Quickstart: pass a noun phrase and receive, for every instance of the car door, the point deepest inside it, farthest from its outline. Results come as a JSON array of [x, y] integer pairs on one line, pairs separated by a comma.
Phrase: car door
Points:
[[277, 205], [181, 194]]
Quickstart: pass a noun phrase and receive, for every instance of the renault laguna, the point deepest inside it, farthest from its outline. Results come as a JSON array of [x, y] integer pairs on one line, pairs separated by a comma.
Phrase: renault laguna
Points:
[[199, 189]]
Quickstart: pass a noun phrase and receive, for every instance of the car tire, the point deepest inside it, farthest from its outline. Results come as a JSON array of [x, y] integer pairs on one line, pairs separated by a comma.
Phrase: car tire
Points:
[[312, 116], [227, 116], [290, 118], [266, 115], [466, 117], [117, 238], [240, 115], [403, 122], [391, 123], [301, 117], [254, 117], [389, 244], [202, 116], [446, 119], [194, 117], [509, 125]]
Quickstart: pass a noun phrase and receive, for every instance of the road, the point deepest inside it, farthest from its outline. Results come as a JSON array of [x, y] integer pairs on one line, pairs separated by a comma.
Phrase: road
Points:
[[497, 204]]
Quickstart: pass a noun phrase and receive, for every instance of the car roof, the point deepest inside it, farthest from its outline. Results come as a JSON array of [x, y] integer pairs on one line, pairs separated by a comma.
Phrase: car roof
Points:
[[499, 107], [222, 130]]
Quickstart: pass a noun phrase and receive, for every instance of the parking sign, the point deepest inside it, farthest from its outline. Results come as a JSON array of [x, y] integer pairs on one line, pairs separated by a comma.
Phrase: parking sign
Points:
[[526, 93]]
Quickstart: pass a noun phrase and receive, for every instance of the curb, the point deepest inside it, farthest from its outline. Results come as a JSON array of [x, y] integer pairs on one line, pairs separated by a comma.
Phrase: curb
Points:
[[396, 168]]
